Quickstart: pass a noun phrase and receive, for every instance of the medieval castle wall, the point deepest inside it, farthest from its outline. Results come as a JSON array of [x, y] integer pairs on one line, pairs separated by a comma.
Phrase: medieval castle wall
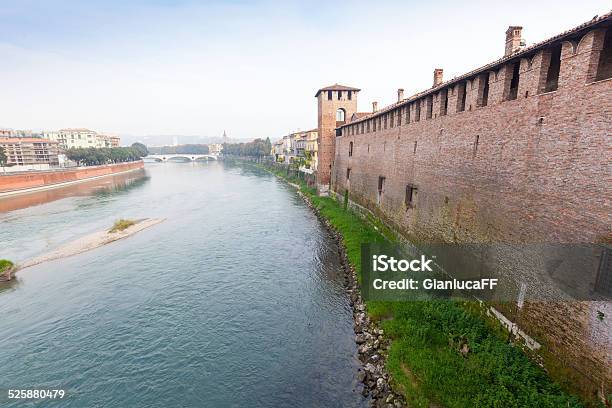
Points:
[[519, 151]]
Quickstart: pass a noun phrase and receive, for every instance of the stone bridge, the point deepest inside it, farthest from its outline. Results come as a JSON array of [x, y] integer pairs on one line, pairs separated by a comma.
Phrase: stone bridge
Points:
[[183, 156]]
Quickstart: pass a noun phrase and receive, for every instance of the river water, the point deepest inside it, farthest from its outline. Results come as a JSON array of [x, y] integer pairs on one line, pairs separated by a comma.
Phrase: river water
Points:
[[236, 300]]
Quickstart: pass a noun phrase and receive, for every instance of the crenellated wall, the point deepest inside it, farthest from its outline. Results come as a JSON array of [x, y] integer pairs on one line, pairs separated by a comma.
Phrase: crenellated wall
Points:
[[537, 168]]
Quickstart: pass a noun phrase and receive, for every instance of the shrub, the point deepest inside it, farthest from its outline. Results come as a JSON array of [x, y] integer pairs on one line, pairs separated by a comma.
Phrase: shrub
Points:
[[121, 224], [5, 265]]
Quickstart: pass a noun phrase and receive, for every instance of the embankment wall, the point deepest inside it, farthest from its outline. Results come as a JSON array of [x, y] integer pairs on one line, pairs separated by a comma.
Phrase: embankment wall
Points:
[[32, 181]]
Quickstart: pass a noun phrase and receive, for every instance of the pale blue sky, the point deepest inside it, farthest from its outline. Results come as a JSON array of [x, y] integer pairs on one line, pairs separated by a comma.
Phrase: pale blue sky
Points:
[[250, 67]]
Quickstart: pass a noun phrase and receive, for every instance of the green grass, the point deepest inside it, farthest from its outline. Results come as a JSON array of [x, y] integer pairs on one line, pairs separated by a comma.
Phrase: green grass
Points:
[[121, 224], [424, 359], [5, 265]]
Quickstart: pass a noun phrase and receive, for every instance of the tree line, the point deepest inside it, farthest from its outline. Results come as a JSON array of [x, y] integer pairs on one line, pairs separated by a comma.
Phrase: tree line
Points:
[[92, 156], [256, 148]]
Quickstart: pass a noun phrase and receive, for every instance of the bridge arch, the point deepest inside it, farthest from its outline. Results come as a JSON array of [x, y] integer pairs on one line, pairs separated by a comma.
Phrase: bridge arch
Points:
[[180, 157]]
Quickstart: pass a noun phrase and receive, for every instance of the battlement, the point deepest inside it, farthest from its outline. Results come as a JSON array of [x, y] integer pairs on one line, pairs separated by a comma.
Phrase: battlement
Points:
[[542, 60]]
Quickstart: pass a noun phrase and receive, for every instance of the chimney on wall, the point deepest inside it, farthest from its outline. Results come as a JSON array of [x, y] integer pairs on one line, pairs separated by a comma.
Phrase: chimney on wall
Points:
[[513, 40], [438, 73], [400, 94], [374, 107]]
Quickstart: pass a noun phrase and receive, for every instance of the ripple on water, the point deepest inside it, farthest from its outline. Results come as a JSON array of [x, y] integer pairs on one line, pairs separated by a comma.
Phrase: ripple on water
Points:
[[236, 300]]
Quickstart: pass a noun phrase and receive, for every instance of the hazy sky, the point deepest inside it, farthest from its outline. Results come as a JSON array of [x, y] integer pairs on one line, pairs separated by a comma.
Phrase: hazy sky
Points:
[[250, 67]]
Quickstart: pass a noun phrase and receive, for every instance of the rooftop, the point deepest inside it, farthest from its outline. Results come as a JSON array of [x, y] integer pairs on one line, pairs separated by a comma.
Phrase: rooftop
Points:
[[84, 130], [529, 51], [337, 87], [13, 140]]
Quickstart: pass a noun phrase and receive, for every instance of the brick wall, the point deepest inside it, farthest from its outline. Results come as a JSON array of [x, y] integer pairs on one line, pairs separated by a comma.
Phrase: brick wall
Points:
[[326, 120], [14, 182], [534, 169]]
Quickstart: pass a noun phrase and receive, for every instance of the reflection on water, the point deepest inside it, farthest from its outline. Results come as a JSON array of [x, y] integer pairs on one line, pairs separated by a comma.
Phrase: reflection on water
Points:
[[106, 185], [236, 300]]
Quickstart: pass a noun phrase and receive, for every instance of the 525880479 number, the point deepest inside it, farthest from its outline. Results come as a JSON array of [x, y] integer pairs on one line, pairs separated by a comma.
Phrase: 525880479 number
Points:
[[36, 394]]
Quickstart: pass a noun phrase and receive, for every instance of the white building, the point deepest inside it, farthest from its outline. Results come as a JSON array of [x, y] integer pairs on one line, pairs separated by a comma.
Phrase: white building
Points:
[[215, 148], [301, 144], [69, 138]]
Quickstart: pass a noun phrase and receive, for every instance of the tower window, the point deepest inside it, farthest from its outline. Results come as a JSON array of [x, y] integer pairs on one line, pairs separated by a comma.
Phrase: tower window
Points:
[[443, 102], [554, 66], [349, 95], [513, 71], [339, 95], [462, 93], [604, 68], [429, 101], [381, 188], [411, 193], [483, 91], [329, 95], [348, 174], [340, 115], [350, 149], [417, 111]]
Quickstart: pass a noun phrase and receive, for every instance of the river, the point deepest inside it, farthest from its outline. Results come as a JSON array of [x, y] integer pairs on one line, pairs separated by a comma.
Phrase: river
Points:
[[236, 300]]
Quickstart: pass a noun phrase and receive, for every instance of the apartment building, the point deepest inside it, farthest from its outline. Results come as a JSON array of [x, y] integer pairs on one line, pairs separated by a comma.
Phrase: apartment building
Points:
[[80, 137], [29, 151]]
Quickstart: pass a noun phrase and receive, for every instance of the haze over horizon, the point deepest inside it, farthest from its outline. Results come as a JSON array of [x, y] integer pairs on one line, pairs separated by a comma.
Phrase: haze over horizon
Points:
[[162, 67]]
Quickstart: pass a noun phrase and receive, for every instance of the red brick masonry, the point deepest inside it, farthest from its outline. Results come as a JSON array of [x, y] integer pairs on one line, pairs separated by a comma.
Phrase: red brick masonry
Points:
[[529, 165], [36, 179]]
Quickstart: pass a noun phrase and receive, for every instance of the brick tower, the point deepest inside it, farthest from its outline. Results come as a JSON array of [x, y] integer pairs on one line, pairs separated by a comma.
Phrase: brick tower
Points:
[[337, 103]]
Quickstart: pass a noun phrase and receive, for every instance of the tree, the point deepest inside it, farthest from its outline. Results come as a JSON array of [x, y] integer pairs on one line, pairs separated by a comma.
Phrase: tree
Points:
[[268, 145], [256, 148], [96, 156], [141, 149], [3, 158]]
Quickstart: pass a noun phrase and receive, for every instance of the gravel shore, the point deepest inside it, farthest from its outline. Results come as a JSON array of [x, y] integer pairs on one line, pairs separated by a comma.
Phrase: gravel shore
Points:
[[89, 242]]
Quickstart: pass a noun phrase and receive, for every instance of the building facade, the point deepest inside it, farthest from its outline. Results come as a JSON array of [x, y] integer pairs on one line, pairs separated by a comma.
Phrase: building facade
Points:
[[298, 145], [115, 141], [215, 148], [312, 148], [17, 133], [80, 138], [517, 151], [29, 151]]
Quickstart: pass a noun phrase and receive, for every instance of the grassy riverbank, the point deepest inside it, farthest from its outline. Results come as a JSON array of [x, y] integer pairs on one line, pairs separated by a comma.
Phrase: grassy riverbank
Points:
[[444, 353], [5, 265]]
